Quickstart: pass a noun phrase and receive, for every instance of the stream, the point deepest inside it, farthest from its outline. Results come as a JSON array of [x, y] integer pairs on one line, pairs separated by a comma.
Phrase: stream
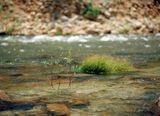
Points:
[[36, 71]]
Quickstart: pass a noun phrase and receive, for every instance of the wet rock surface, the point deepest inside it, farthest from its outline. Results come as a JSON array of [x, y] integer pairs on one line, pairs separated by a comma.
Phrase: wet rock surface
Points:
[[99, 97], [122, 94]]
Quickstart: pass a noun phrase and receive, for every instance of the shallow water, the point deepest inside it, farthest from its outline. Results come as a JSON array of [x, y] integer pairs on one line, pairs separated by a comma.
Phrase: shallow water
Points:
[[29, 67]]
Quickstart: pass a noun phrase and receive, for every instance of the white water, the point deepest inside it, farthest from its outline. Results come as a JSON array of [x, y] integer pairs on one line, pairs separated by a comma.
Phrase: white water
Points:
[[69, 39]]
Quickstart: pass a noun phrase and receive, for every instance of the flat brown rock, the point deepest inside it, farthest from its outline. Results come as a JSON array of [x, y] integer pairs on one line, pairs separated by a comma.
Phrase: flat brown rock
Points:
[[58, 109], [26, 100], [3, 78], [79, 101]]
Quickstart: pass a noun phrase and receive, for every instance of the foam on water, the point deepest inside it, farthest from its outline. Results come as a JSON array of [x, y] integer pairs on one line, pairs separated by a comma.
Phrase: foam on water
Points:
[[87, 46], [74, 39], [22, 50], [45, 38], [80, 45], [147, 46], [69, 39], [4, 44], [158, 34], [100, 46], [114, 38], [145, 39]]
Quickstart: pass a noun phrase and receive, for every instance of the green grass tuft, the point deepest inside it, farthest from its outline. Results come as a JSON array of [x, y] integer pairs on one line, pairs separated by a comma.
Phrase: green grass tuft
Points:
[[104, 65], [59, 33], [91, 12], [10, 30]]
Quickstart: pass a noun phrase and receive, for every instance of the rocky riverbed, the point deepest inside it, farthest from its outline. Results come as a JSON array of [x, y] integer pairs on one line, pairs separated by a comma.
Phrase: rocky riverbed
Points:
[[117, 95], [37, 17], [34, 76]]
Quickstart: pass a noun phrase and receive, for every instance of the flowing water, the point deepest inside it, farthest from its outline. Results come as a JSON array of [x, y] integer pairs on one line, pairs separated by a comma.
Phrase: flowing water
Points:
[[36, 71]]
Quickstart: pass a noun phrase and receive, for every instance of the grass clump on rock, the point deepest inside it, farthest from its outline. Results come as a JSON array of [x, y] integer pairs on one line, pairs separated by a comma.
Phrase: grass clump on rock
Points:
[[104, 65], [90, 12]]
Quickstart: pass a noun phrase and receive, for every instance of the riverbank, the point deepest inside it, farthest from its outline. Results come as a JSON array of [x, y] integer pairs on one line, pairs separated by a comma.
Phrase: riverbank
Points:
[[47, 17]]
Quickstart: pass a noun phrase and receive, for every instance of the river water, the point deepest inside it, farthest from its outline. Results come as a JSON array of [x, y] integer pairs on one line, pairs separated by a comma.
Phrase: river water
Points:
[[29, 67]]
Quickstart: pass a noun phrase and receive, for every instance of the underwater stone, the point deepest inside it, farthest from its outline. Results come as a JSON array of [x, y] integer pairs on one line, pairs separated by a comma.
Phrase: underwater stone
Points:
[[58, 110]]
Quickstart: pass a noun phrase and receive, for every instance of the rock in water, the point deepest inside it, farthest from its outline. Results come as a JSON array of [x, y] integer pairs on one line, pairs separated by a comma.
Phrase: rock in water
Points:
[[158, 102], [78, 102], [157, 107], [4, 100], [4, 96], [58, 110]]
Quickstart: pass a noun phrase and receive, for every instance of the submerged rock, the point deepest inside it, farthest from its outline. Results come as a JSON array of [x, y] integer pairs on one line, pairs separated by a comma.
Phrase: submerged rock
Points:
[[4, 96], [4, 100], [158, 102], [79, 103], [156, 107], [6, 103], [58, 110]]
